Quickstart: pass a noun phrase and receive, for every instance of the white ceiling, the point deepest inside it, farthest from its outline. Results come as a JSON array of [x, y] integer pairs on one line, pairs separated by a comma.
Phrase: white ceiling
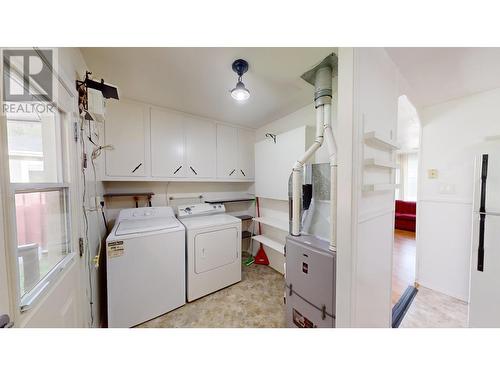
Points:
[[198, 80], [436, 75]]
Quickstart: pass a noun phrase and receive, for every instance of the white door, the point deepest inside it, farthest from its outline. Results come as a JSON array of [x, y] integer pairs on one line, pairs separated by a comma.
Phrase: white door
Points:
[[167, 144], [39, 229], [484, 299], [246, 160], [126, 129], [4, 281], [40, 208], [227, 152], [215, 249], [201, 140]]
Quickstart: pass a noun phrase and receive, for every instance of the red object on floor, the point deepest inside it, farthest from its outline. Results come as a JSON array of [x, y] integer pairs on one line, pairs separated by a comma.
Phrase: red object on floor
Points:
[[261, 257], [406, 215]]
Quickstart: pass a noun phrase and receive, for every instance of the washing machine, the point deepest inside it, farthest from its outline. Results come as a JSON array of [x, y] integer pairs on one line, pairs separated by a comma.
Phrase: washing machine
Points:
[[145, 262], [213, 248]]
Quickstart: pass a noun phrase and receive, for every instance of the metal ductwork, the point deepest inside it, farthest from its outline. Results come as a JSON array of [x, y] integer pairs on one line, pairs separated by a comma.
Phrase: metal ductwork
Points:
[[320, 77]]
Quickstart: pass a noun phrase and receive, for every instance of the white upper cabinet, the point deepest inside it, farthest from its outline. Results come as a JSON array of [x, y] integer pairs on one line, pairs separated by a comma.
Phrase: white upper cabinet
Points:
[[157, 144], [235, 153], [200, 147], [227, 152], [167, 144], [246, 160], [127, 130]]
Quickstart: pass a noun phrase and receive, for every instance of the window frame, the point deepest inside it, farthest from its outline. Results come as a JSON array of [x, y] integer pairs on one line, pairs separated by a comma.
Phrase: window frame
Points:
[[29, 299]]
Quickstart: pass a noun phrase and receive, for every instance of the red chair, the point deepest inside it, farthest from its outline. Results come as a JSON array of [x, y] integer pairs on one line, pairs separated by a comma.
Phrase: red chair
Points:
[[406, 215]]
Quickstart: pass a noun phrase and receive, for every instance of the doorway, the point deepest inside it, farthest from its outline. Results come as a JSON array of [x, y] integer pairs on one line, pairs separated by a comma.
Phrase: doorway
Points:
[[406, 178]]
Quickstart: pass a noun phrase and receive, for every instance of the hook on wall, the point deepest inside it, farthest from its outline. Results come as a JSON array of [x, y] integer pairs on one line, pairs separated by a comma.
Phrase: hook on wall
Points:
[[272, 136]]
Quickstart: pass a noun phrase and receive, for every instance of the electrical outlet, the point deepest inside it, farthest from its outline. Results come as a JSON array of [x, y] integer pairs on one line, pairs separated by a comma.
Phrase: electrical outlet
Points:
[[447, 189]]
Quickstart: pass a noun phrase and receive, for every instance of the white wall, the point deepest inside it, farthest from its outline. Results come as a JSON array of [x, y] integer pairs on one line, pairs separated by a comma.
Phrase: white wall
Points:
[[164, 190], [369, 87], [452, 133], [73, 66], [278, 209]]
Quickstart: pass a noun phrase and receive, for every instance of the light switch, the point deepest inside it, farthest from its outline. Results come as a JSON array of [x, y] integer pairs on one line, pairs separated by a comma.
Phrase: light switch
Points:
[[432, 173], [447, 189]]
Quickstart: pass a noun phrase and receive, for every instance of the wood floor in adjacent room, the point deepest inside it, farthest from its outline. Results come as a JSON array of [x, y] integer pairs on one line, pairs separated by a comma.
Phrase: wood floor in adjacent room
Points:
[[403, 263], [429, 309]]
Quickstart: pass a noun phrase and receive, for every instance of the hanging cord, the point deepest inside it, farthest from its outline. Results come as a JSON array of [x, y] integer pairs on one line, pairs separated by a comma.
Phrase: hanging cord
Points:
[[86, 223], [97, 206], [91, 262], [104, 218]]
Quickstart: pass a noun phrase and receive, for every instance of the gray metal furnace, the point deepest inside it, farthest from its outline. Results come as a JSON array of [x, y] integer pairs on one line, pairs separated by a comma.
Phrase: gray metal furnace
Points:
[[310, 282]]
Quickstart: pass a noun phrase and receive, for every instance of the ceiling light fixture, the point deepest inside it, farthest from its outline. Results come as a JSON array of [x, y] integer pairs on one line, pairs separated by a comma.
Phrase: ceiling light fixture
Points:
[[240, 92]]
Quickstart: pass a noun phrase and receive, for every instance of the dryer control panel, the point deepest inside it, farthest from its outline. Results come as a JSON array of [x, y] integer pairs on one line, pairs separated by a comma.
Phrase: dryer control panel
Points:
[[200, 209]]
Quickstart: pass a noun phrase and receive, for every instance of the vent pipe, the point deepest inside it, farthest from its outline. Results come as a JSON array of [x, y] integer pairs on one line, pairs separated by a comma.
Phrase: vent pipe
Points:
[[321, 77]]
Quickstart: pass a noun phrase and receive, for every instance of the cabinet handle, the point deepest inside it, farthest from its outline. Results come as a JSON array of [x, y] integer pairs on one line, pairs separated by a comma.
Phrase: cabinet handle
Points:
[[232, 172], [178, 169], [243, 173], [482, 215], [193, 170], [136, 168]]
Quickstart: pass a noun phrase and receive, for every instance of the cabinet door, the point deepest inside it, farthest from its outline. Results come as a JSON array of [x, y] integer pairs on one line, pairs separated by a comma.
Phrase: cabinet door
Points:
[[126, 129], [200, 148], [246, 160], [227, 152], [167, 144]]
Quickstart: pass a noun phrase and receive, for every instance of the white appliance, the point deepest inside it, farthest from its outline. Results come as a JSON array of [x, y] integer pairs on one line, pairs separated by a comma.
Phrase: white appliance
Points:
[[213, 248], [145, 259], [484, 297]]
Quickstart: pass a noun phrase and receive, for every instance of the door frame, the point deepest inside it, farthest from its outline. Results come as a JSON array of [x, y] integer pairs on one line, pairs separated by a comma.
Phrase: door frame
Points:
[[67, 105]]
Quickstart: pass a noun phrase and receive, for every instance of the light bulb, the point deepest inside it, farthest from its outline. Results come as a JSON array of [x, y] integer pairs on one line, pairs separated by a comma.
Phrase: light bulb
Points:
[[240, 92]]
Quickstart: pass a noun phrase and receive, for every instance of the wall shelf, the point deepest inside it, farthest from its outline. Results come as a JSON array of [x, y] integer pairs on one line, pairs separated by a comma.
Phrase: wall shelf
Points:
[[379, 187], [135, 196], [374, 139], [246, 234], [275, 245], [244, 217], [380, 163], [214, 201], [275, 223]]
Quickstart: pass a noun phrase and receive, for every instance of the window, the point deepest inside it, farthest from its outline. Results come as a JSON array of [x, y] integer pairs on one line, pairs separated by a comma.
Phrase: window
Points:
[[42, 215], [42, 234], [410, 191], [407, 177], [34, 142]]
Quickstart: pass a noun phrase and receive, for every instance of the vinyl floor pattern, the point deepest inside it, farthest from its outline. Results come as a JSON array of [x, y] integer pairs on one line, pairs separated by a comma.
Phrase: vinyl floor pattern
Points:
[[255, 302], [431, 309]]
